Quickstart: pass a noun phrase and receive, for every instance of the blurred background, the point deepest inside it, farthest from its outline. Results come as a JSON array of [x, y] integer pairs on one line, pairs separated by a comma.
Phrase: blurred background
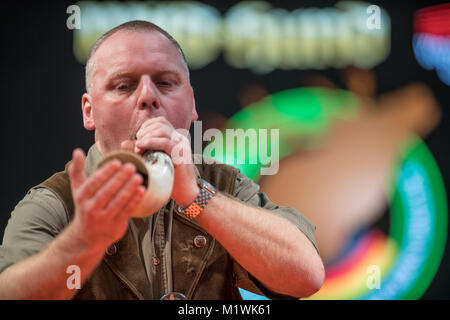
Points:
[[358, 90]]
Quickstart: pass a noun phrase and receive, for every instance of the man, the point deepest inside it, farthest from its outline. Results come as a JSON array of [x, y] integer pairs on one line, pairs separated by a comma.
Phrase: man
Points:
[[138, 93]]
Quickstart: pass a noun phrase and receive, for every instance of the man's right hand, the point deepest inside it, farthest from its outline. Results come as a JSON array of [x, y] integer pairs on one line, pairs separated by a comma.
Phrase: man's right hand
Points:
[[103, 205], [103, 202]]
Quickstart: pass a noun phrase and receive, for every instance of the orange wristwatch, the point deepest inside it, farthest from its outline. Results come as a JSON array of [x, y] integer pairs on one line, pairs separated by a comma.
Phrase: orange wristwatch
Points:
[[207, 191]]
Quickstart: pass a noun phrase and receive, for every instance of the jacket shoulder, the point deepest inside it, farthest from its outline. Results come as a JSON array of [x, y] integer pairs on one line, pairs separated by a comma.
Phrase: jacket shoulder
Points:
[[59, 184]]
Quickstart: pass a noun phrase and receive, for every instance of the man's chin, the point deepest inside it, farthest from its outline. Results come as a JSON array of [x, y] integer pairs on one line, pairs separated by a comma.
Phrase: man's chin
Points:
[[127, 145]]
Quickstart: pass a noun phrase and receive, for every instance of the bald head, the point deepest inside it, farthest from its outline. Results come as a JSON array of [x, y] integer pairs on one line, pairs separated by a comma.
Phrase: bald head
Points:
[[130, 26]]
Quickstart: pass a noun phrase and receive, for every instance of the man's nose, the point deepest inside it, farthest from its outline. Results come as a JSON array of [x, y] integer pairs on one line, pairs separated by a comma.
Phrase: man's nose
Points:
[[148, 94]]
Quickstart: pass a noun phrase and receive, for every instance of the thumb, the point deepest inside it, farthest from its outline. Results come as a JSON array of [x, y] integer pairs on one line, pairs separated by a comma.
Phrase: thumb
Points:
[[128, 145], [76, 169]]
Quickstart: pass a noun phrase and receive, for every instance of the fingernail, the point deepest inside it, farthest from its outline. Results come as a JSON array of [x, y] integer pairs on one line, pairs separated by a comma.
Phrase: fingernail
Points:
[[131, 166], [138, 177], [116, 163]]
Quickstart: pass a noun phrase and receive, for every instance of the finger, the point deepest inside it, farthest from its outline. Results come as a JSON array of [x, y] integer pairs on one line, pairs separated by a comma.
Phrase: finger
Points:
[[127, 145], [154, 122], [146, 124], [76, 169], [156, 129], [156, 133], [124, 195], [152, 143], [132, 204], [112, 186], [159, 119], [98, 179], [139, 150]]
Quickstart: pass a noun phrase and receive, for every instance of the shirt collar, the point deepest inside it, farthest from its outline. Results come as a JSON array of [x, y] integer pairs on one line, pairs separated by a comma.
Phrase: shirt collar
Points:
[[92, 158]]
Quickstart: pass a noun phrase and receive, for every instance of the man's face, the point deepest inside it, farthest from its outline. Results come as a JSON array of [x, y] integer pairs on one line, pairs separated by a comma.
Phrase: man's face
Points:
[[137, 76]]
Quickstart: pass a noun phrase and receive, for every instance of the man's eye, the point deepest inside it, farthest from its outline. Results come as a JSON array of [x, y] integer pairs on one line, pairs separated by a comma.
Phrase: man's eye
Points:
[[123, 87], [164, 84], [126, 86]]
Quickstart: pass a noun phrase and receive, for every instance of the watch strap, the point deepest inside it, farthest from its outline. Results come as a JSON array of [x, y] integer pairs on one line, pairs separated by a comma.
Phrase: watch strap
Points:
[[207, 191]]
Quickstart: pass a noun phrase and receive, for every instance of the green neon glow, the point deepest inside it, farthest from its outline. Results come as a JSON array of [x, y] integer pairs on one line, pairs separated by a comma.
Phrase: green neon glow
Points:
[[417, 151], [302, 116]]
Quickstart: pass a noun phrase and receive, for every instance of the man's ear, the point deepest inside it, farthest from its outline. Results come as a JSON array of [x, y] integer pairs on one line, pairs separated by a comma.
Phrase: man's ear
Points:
[[86, 107], [194, 111]]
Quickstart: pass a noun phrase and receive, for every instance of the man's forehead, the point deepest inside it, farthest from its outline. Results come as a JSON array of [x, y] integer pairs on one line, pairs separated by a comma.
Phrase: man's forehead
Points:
[[135, 39], [137, 44]]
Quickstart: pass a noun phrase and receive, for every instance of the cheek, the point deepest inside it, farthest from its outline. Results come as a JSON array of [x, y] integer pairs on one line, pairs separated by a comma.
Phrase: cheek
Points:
[[113, 119], [179, 118], [180, 115]]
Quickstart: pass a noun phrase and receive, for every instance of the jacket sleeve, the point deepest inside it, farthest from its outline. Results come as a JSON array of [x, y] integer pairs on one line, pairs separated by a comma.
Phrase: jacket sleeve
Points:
[[248, 191], [36, 220]]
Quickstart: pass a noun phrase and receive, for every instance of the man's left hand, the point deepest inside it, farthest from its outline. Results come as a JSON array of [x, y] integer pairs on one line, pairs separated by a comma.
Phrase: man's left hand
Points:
[[159, 134]]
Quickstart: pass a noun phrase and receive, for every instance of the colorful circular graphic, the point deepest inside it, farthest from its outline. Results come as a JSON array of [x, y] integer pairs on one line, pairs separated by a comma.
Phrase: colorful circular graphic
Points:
[[375, 265], [409, 256]]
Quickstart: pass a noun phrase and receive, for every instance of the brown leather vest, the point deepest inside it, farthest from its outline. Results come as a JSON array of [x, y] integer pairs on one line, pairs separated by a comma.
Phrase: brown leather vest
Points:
[[206, 272]]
